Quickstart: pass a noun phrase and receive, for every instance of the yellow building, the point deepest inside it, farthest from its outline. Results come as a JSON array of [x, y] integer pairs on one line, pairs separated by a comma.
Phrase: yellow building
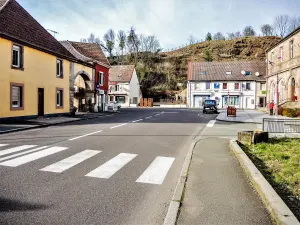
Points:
[[34, 67]]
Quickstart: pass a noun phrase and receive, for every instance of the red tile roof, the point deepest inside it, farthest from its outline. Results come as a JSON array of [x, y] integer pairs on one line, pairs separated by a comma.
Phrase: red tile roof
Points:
[[18, 25], [121, 73], [91, 50], [216, 71]]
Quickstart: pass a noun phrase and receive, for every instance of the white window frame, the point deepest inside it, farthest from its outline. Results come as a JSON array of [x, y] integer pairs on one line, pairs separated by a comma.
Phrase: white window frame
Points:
[[238, 84], [19, 97], [272, 57], [281, 54], [60, 99], [59, 62], [101, 78], [291, 49], [249, 86], [18, 50], [226, 86], [207, 84]]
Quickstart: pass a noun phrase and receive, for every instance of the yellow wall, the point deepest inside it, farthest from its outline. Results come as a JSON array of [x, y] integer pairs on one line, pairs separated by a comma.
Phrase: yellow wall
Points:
[[39, 72]]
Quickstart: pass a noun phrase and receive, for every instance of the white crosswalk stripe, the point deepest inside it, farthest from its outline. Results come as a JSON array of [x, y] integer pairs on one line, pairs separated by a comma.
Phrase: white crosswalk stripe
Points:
[[31, 157], [2, 145], [157, 171], [112, 166], [70, 161], [22, 153], [16, 149]]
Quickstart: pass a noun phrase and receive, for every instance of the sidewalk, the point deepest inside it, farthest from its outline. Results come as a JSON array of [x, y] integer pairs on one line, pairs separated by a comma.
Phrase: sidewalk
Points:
[[217, 190], [13, 126], [247, 116]]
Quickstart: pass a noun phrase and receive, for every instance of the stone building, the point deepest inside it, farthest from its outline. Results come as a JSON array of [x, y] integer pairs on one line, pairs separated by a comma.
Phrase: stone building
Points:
[[283, 71]]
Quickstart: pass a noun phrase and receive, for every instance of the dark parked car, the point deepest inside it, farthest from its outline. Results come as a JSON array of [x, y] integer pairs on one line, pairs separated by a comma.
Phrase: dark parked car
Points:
[[210, 106]]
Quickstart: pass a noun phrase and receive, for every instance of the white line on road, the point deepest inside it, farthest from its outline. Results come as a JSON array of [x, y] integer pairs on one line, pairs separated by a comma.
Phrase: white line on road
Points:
[[71, 161], [157, 114], [33, 156], [118, 126], [22, 153], [148, 117], [210, 123], [16, 149], [112, 166], [2, 145], [137, 120], [157, 171], [85, 135]]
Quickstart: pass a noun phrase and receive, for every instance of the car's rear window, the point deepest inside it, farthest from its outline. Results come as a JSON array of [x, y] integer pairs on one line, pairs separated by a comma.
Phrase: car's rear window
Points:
[[210, 102]]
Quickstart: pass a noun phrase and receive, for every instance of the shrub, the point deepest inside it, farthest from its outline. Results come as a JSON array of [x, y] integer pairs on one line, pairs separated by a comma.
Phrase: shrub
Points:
[[280, 110], [297, 113], [289, 112]]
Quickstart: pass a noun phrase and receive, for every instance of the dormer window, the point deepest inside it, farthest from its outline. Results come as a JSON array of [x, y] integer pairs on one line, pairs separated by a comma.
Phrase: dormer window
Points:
[[202, 72], [228, 73]]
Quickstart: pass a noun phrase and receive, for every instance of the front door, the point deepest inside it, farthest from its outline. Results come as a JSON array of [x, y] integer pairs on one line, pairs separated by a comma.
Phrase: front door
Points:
[[41, 101]]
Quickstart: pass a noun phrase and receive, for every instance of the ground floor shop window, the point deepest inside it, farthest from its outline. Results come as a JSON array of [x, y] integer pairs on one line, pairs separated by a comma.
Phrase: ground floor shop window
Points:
[[120, 99], [231, 100]]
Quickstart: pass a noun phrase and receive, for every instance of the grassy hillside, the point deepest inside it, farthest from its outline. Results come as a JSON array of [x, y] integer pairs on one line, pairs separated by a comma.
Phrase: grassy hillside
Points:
[[160, 73]]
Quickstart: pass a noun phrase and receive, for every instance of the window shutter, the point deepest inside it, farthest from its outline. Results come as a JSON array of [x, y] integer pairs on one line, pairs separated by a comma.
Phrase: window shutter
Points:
[[21, 57], [61, 68]]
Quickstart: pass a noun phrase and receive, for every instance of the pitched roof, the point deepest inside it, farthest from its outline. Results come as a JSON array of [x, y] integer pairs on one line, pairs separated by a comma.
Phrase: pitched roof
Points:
[[91, 50], [216, 71], [74, 52], [18, 25], [121, 73]]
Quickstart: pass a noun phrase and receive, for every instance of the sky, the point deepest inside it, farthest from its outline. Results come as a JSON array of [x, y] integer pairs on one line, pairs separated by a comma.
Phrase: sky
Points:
[[172, 21]]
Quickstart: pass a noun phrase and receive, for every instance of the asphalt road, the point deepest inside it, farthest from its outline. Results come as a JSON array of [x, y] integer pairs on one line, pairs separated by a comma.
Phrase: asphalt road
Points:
[[120, 169]]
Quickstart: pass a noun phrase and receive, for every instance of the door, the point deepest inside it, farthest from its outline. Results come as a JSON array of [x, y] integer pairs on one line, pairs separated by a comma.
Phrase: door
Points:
[[247, 102], [41, 102]]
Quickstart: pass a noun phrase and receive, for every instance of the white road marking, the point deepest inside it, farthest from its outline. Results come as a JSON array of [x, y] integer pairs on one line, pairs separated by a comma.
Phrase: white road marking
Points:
[[157, 115], [31, 157], [210, 123], [148, 117], [119, 125], [112, 166], [2, 145], [137, 120], [157, 171], [16, 149], [85, 135], [71, 161], [22, 153]]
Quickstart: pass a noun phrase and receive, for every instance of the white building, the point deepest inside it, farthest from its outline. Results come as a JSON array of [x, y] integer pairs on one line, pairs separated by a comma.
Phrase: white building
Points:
[[230, 83], [124, 86]]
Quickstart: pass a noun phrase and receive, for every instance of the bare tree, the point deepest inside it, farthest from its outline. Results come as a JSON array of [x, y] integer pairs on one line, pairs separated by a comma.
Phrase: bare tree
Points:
[[238, 34], [91, 39], [109, 38], [230, 36], [133, 42], [294, 24], [249, 31], [219, 36], [121, 36], [282, 24], [191, 39], [266, 30]]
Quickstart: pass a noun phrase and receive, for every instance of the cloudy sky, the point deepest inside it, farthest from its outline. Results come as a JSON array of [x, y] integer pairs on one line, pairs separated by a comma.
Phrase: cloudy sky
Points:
[[172, 21]]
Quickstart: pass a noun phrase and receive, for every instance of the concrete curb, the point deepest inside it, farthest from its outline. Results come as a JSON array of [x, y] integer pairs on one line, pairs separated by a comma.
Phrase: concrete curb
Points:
[[52, 124], [277, 208], [237, 121], [174, 206]]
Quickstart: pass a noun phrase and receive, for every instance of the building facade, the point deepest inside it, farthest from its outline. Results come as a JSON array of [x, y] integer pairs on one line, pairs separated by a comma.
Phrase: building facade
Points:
[[89, 77], [283, 71], [229, 83], [35, 67], [124, 86]]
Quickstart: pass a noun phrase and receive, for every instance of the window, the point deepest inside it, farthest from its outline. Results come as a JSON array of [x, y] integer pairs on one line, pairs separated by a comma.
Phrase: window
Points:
[[262, 86], [272, 57], [101, 78], [202, 72], [197, 86], [16, 96], [281, 54], [117, 87], [236, 86], [59, 98], [247, 73], [228, 72], [248, 86], [120, 99], [216, 85], [231, 100], [291, 49], [207, 85], [17, 57], [59, 68], [224, 85]]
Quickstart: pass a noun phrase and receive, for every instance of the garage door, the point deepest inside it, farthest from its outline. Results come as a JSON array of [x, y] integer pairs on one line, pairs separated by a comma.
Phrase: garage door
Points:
[[198, 100]]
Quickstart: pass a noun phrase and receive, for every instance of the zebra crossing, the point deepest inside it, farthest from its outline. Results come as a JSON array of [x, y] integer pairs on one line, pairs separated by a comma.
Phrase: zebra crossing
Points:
[[155, 173]]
